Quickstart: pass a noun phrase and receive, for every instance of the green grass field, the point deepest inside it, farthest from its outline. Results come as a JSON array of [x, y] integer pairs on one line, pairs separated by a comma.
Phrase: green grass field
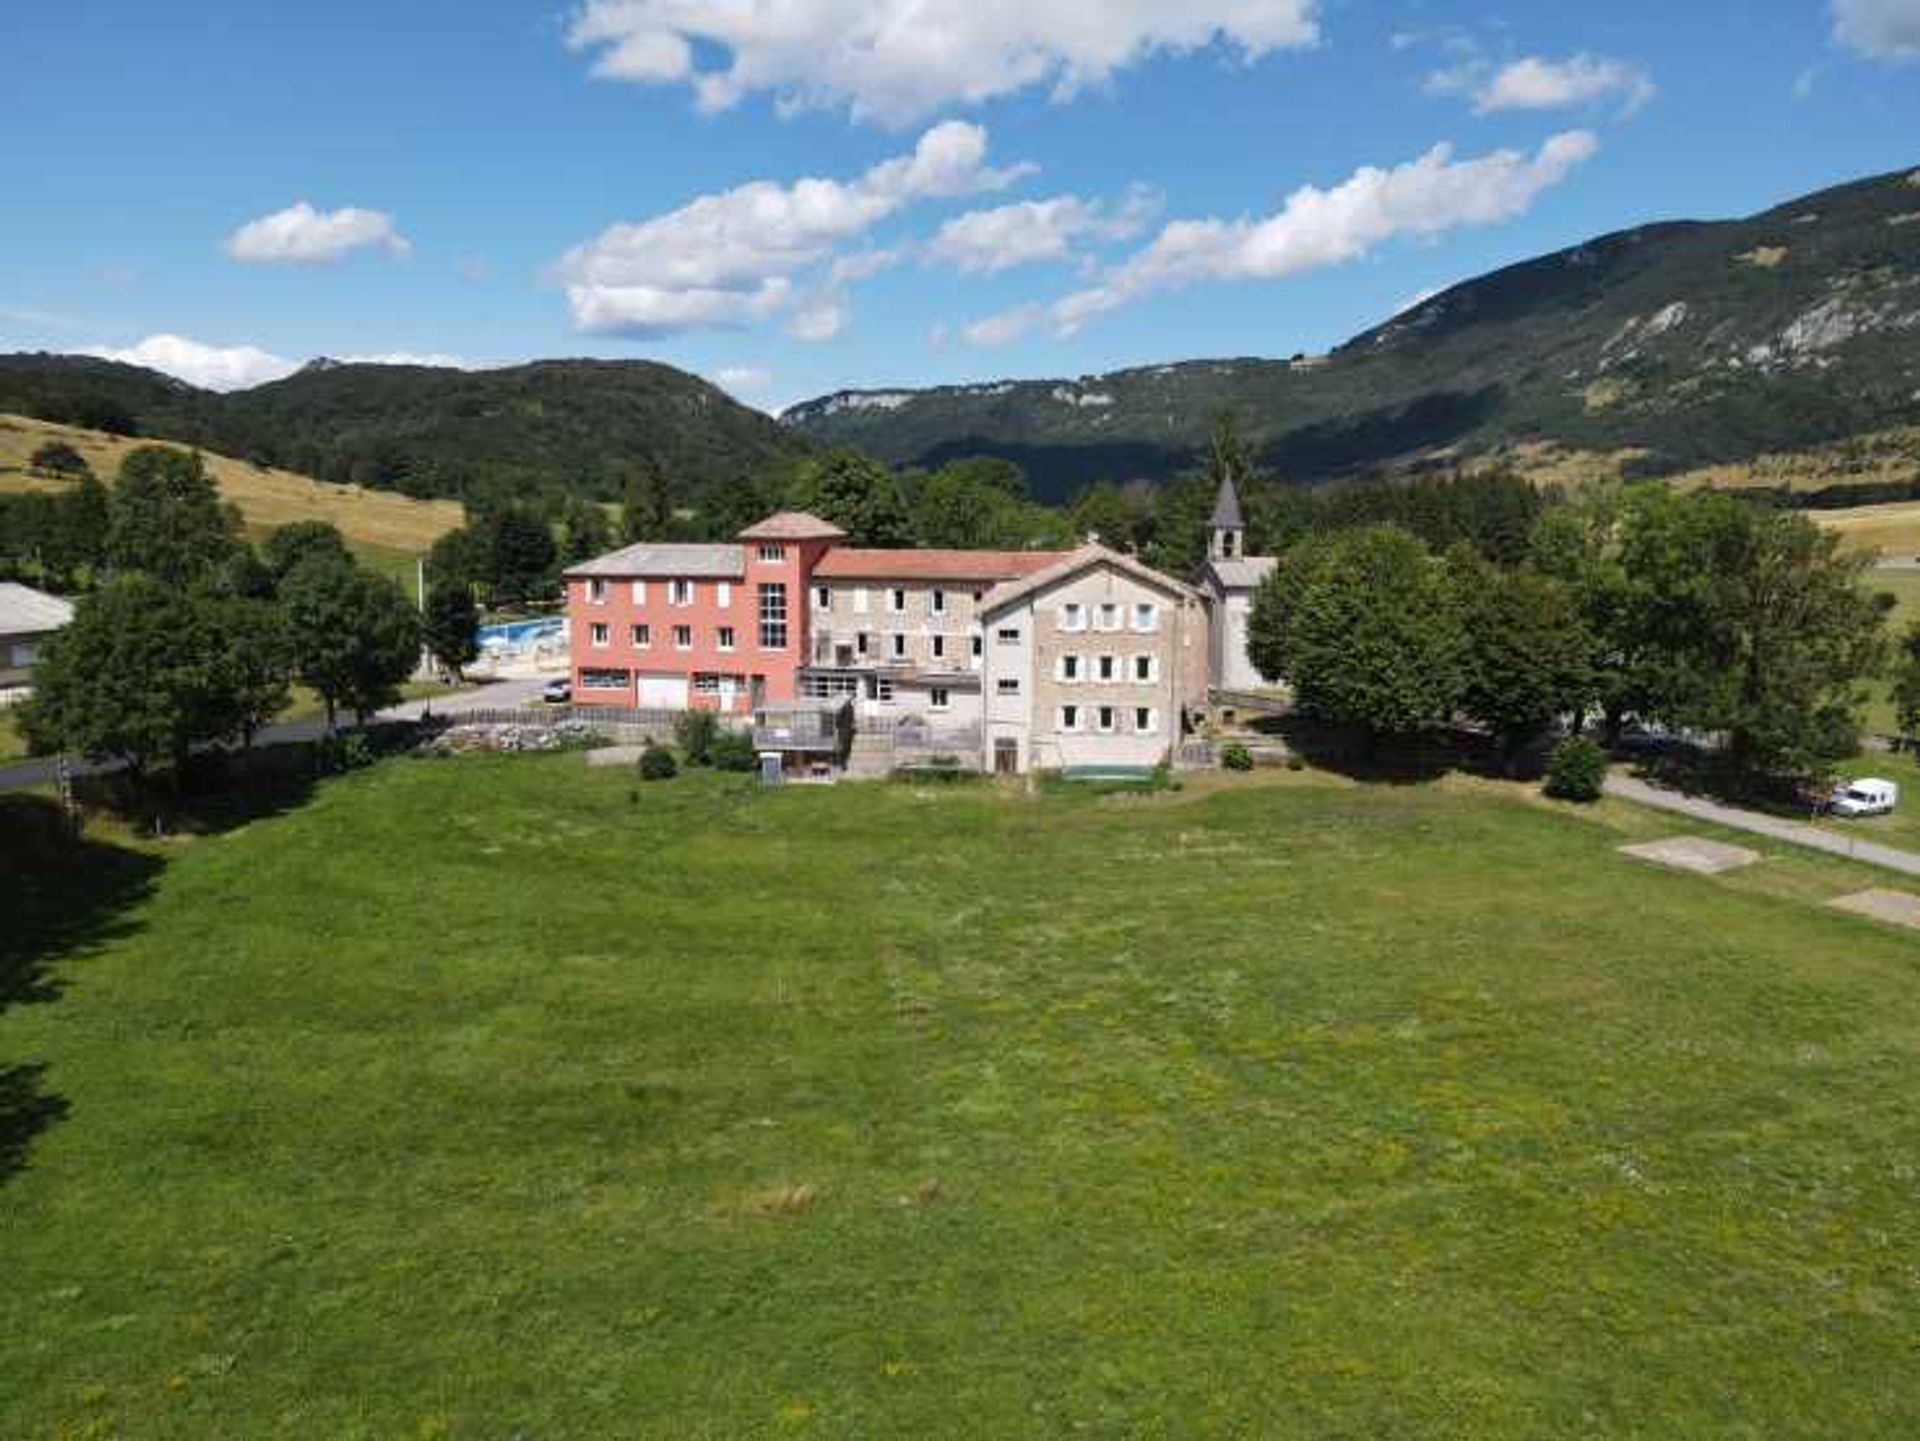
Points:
[[12, 747], [1904, 586], [497, 1097]]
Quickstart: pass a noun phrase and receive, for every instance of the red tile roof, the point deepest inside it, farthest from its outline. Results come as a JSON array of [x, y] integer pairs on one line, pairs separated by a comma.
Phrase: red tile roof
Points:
[[985, 566], [793, 525]]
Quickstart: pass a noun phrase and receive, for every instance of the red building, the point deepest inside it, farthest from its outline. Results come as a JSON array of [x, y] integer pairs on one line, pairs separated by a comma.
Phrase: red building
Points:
[[713, 627]]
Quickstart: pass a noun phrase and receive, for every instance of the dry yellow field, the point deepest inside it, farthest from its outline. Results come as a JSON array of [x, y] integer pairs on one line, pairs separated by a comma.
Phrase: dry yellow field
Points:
[[1876, 458], [1890, 530], [378, 520]]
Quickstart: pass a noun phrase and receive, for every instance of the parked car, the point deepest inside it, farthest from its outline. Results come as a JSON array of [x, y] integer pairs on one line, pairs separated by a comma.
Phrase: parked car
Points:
[[557, 692], [1865, 797]]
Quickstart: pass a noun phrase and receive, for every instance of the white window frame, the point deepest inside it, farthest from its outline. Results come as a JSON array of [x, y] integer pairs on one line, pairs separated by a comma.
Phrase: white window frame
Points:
[[683, 637], [724, 638], [1069, 718], [641, 636], [1105, 670], [588, 682], [1108, 616], [1152, 724], [897, 645], [1106, 719], [823, 598], [1073, 617], [1151, 664], [639, 592], [600, 635], [897, 600], [723, 595], [1068, 670], [939, 698], [772, 552], [862, 600], [680, 593], [937, 601], [938, 644], [1147, 610], [1007, 685], [1007, 635], [596, 591]]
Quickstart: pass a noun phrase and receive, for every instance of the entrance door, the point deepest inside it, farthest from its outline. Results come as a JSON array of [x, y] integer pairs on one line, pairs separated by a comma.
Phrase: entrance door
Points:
[[1006, 756], [729, 692]]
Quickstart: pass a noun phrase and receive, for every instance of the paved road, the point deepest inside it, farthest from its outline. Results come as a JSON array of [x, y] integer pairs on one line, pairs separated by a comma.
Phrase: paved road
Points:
[[502, 695], [1792, 832]]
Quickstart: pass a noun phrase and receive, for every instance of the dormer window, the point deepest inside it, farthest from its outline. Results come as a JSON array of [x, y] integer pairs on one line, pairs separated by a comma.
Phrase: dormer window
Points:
[[772, 553]]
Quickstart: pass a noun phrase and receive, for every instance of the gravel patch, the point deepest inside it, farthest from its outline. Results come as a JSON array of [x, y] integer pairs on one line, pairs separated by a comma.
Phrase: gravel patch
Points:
[[1692, 853], [1896, 908]]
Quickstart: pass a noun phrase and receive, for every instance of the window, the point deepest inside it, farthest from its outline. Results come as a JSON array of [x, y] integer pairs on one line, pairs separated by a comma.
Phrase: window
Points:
[[899, 646], [1009, 685], [605, 679], [723, 594], [596, 592], [602, 634], [939, 698], [829, 687], [770, 552], [1106, 720], [705, 683], [939, 602], [726, 637], [1146, 616], [979, 644], [897, 600], [883, 690], [1070, 668], [643, 637], [1008, 636], [1107, 667], [1146, 669], [1069, 717], [1109, 616], [822, 597], [1145, 721], [773, 617], [863, 643], [862, 601], [683, 637], [1073, 616], [939, 647], [639, 592], [680, 592]]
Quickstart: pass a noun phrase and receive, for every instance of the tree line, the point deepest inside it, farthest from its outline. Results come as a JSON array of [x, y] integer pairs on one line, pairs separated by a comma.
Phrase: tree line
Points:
[[190, 636]]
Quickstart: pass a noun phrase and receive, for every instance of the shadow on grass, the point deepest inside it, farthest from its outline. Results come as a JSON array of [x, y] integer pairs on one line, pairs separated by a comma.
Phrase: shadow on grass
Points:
[[1402, 760], [62, 896]]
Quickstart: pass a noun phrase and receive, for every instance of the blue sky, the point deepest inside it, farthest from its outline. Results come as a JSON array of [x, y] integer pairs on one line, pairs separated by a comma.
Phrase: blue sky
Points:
[[877, 192]]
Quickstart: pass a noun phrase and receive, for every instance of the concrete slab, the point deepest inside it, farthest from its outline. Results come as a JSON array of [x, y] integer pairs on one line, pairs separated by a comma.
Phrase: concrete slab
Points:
[[1692, 853], [1896, 908]]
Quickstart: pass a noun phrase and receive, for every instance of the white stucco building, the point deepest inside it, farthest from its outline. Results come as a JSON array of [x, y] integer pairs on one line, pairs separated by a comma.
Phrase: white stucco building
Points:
[[1228, 580]]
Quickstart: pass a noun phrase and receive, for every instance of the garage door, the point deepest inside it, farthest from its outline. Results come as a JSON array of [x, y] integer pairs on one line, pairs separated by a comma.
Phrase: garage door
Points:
[[663, 692]]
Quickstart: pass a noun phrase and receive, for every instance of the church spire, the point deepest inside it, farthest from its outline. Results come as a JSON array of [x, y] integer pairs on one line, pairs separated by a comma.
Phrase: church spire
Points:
[[1227, 530]]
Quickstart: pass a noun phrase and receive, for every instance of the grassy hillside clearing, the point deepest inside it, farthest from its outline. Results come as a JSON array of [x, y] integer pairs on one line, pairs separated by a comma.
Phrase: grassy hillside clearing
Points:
[[1891, 530], [375, 521], [498, 1097]]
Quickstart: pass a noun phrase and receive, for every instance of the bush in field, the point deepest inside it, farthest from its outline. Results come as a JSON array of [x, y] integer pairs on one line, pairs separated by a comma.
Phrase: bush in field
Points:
[[696, 731], [733, 751], [657, 764], [56, 457], [1234, 756], [1577, 771]]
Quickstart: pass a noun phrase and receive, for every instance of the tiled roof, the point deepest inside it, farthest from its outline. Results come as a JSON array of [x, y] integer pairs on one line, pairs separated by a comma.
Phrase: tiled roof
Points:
[[654, 559], [984, 566], [793, 525], [26, 611], [1067, 567]]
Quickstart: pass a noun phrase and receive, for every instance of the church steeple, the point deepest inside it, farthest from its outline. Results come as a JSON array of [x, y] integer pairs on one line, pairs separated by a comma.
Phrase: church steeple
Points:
[[1227, 530]]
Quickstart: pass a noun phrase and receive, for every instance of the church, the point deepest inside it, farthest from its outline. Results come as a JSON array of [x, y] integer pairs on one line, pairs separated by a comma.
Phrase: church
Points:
[[1228, 580]]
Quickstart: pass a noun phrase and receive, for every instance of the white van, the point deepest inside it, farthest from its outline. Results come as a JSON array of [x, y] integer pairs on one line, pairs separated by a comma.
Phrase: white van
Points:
[[1865, 797]]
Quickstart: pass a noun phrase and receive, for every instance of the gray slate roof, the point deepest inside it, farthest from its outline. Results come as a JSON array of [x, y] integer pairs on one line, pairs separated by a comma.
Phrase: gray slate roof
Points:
[[1245, 573], [660, 560], [26, 611], [1226, 507]]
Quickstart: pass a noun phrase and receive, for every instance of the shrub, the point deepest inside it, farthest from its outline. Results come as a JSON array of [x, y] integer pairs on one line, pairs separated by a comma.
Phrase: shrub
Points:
[[657, 764], [56, 457], [1577, 771], [733, 751], [1294, 763], [1234, 756], [696, 730]]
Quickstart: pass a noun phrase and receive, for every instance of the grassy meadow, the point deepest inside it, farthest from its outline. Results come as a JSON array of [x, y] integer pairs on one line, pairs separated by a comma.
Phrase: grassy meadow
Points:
[[500, 1097], [386, 528]]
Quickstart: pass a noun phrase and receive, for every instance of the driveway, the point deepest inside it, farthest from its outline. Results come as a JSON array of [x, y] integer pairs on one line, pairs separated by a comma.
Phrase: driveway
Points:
[[502, 695], [1628, 788]]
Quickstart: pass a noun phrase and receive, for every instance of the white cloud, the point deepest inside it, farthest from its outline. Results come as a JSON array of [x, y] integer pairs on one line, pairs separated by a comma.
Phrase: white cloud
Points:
[[984, 242], [1315, 229], [821, 317], [301, 235], [438, 360], [731, 258], [895, 61], [212, 367], [1879, 29], [1534, 83]]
